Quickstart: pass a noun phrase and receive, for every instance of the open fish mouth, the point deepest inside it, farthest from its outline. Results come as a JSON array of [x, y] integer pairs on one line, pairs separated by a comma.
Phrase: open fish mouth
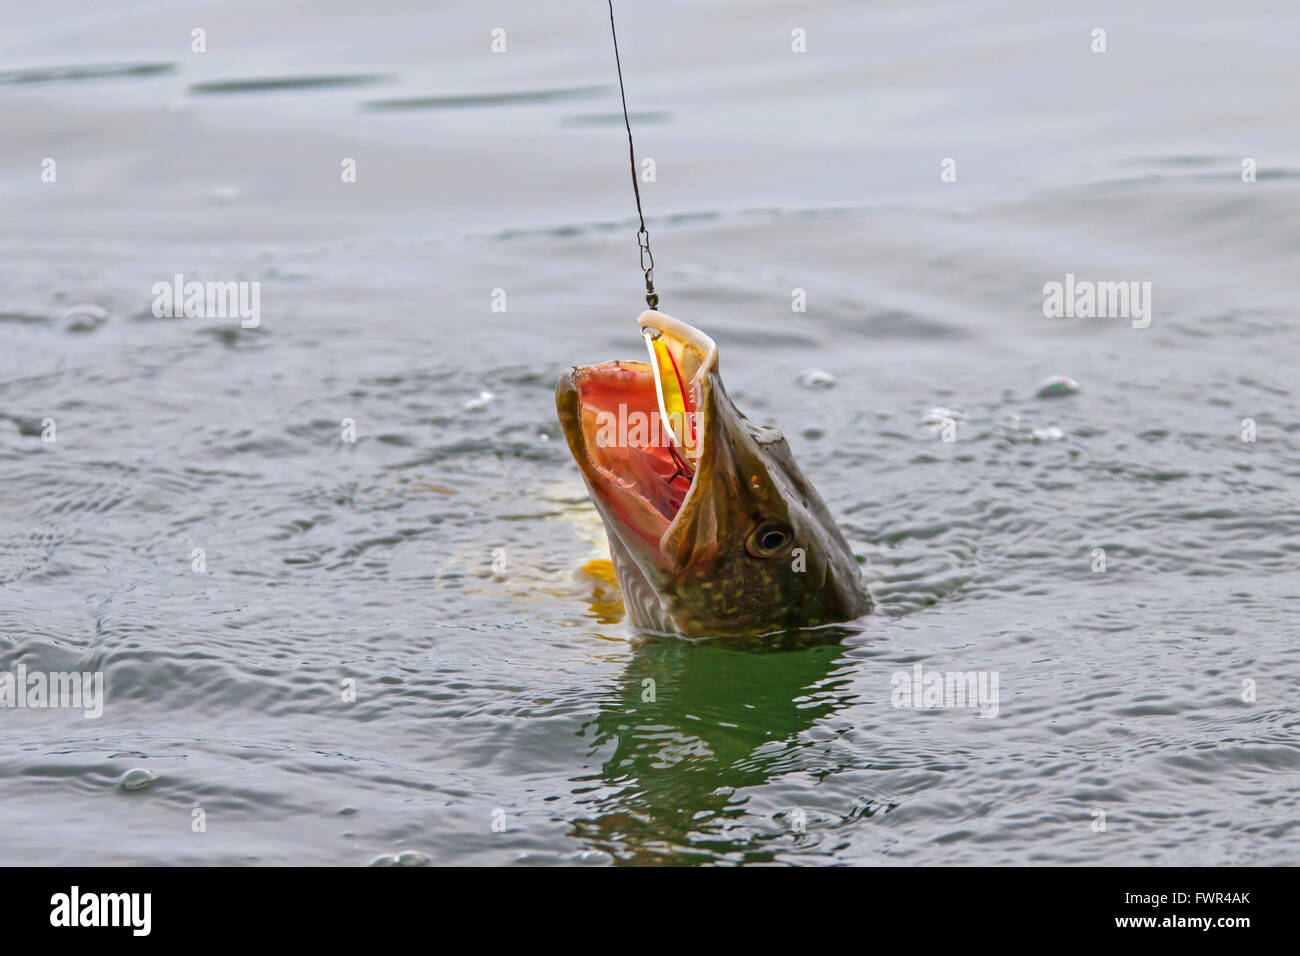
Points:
[[640, 430], [713, 529]]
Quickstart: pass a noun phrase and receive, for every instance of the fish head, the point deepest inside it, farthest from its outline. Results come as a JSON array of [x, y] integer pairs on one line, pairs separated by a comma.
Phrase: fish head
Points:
[[713, 529]]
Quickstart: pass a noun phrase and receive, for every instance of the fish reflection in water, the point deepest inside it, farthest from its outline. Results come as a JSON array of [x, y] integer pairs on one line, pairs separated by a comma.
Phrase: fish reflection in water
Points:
[[695, 723]]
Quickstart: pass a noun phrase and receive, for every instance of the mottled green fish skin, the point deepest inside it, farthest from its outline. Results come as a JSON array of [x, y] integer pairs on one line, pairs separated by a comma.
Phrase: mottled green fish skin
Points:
[[705, 581]]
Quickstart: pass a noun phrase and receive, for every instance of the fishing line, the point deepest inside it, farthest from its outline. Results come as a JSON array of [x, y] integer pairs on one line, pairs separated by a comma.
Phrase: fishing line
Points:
[[642, 235]]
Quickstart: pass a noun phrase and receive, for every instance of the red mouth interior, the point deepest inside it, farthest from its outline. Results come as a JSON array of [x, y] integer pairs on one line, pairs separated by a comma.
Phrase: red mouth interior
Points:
[[629, 446]]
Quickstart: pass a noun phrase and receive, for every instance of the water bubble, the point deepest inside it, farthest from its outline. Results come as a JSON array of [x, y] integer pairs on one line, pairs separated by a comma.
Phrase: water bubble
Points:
[[85, 317], [405, 858], [474, 404], [816, 378], [1049, 434], [1056, 385], [137, 779]]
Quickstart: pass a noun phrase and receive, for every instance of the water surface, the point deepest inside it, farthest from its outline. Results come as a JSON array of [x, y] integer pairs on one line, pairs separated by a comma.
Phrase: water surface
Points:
[[516, 696]]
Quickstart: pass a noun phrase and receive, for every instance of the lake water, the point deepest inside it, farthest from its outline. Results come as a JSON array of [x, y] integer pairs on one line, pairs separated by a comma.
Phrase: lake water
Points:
[[500, 714]]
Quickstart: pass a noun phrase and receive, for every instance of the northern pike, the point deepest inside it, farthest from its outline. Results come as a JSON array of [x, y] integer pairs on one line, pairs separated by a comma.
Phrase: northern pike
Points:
[[713, 530]]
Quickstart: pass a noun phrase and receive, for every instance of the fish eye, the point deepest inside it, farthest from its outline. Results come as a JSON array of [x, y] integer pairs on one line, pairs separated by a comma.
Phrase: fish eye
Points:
[[768, 538]]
